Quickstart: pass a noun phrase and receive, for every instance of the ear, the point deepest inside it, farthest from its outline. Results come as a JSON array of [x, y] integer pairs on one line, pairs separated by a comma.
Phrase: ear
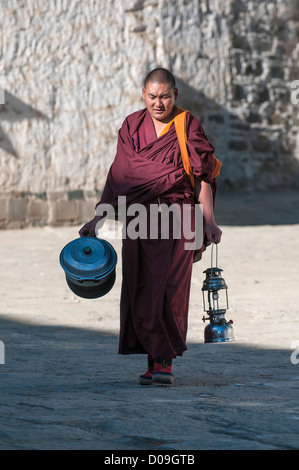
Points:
[[143, 93], [176, 93]]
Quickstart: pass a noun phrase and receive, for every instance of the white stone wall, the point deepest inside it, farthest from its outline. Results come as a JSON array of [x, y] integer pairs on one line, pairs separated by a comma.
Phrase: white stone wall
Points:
[[73, 69]]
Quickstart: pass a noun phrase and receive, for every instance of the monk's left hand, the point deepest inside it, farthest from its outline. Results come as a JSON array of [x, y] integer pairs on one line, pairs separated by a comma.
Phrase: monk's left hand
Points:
[[90, 229], [213, 233]]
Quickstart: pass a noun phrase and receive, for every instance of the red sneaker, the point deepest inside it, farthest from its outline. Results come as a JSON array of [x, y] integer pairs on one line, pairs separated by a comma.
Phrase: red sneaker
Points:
[[146, 379], [162, 370]]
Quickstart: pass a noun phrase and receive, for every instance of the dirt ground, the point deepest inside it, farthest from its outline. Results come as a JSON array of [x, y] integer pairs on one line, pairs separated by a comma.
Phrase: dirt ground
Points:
[[63, 385]]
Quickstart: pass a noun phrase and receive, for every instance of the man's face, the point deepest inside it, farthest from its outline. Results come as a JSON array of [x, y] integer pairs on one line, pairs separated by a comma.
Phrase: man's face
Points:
[[159, 99]]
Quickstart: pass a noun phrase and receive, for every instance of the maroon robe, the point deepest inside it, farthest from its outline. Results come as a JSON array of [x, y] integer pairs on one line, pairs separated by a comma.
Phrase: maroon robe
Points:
[[156, 272]]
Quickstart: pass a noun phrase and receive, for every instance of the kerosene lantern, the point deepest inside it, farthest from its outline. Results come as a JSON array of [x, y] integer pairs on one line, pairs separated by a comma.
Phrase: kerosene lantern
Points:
[[215, 303]]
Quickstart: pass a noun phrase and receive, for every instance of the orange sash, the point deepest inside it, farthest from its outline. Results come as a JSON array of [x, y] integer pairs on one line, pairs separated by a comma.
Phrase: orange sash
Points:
[[180, 127]]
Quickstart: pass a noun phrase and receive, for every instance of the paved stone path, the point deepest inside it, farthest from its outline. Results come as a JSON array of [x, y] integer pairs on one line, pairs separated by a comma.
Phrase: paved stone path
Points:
[[63, 386]]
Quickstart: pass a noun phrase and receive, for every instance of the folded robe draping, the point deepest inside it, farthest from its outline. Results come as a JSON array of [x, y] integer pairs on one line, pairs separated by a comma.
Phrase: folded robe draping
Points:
[[156, 272]]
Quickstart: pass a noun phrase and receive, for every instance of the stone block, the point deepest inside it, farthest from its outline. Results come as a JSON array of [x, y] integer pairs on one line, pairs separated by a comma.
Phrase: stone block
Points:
[[261, 143], [3, 209], [88, 210], [237, 144], [17, 209], [216, 117], [241, 125], [38, 210], [237, 92], [239, 41], [277, 72], [275, 119], [263, 95], [67, 211], [253, 117], [254, 69]]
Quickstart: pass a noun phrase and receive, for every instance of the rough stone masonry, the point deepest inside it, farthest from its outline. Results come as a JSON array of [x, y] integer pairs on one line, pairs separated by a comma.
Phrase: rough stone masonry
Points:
[[72, 70]]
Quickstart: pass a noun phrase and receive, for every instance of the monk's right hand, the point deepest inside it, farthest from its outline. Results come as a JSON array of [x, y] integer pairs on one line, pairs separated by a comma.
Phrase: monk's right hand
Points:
[[89, 229]]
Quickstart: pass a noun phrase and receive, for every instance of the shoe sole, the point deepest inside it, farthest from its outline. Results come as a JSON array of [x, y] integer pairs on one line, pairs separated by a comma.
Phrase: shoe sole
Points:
[[145, 381], [163, 378]]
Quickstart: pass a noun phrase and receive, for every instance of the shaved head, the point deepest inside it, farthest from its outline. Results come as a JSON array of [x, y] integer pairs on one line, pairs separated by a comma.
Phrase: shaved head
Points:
[[160, 93], [160, 75]]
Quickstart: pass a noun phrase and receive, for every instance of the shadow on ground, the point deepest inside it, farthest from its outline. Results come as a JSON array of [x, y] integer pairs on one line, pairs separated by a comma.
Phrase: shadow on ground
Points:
[[66, 388]]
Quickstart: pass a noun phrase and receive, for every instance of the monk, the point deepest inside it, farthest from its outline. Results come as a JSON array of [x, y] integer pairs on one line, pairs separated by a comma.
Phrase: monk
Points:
[[153, 166]]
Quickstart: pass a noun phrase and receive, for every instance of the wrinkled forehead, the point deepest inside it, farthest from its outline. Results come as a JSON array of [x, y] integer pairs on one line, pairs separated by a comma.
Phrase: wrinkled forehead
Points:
[[157, 87]]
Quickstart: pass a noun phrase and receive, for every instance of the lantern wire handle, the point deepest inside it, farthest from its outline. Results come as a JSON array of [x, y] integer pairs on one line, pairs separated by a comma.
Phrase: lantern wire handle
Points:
[[212, 255]]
